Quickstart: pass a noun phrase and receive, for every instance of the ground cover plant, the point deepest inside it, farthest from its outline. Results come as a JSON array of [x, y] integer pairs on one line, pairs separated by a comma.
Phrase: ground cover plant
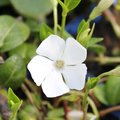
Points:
[[59, 60]]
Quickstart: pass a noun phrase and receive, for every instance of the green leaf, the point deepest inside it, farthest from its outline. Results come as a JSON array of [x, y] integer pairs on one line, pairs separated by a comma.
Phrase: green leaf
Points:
[[112, 90], [97, 48], [12, 72], [45, 31], [26, 51], [4, 2], [94, 41], [56, 113], [72, 97], [71, 4], [102, 6], [99, 92], [14, 104], [33, 24], [83, 26], [32, 8], [12, 33], [84, 33], [93, 45], [33, 113]]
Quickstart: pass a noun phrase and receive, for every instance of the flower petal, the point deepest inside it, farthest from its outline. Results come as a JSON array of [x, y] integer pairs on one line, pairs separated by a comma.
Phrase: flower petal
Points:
[[74, 52], [39, 67], [53, 85], [75, 76], [52, 47]]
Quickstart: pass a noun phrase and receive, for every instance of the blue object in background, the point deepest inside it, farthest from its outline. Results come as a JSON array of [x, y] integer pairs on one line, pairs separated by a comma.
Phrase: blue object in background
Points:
[[116, 114], [115, 2], [72, 26]]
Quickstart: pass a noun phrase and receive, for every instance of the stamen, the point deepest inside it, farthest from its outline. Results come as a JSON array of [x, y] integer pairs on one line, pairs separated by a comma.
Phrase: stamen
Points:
[[59, 64]]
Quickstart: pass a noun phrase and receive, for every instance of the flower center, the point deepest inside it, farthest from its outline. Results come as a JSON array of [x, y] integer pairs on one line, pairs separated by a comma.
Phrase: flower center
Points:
[[59, 64]]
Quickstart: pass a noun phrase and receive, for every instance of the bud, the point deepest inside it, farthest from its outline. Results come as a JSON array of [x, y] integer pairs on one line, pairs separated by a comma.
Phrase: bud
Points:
[[91, 83], [54, 2], [78, 115]]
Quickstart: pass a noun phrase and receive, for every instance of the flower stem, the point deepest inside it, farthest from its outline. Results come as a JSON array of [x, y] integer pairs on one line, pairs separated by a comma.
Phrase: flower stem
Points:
[[64, 14], [85, 104], [55, 14], [94, 108], [105, 60], [109, 110], [31, 85], [27, 92]]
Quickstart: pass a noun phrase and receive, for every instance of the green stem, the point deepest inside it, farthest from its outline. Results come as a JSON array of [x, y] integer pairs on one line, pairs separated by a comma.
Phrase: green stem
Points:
[[31, 85], [55, 13], [27, 92], [106, 60], [64, 14], [85, 104], [103, 74], [93, 106]]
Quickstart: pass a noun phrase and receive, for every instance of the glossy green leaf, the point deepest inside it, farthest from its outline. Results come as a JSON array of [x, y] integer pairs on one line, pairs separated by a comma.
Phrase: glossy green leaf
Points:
[[102, 5], [26, 51], [32, 8], [71, 4], [14, 104], [12, 72], [112, 90], [99, 92], [12, 33], [45, 31]]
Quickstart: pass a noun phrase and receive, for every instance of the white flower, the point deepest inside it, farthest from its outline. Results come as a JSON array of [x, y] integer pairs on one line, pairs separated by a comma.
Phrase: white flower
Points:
[[58, 66]]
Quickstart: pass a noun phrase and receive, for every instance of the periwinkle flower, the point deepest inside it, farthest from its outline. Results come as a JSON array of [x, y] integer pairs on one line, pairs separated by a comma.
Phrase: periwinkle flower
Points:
[[59, 66]]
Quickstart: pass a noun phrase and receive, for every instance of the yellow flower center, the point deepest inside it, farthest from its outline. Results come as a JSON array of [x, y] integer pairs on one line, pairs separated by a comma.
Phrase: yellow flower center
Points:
[[59, 64]]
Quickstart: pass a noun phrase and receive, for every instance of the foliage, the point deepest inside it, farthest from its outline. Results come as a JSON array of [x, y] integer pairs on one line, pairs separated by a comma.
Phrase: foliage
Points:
[[13, 33], [13, 72], [14, 104], [39, 8], [105, 92], [22, 30]]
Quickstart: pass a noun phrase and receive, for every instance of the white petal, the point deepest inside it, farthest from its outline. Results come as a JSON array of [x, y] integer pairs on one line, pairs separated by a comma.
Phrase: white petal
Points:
[[75, 76], [39, 67], [52, 47], [53, 85], [74, 52]]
